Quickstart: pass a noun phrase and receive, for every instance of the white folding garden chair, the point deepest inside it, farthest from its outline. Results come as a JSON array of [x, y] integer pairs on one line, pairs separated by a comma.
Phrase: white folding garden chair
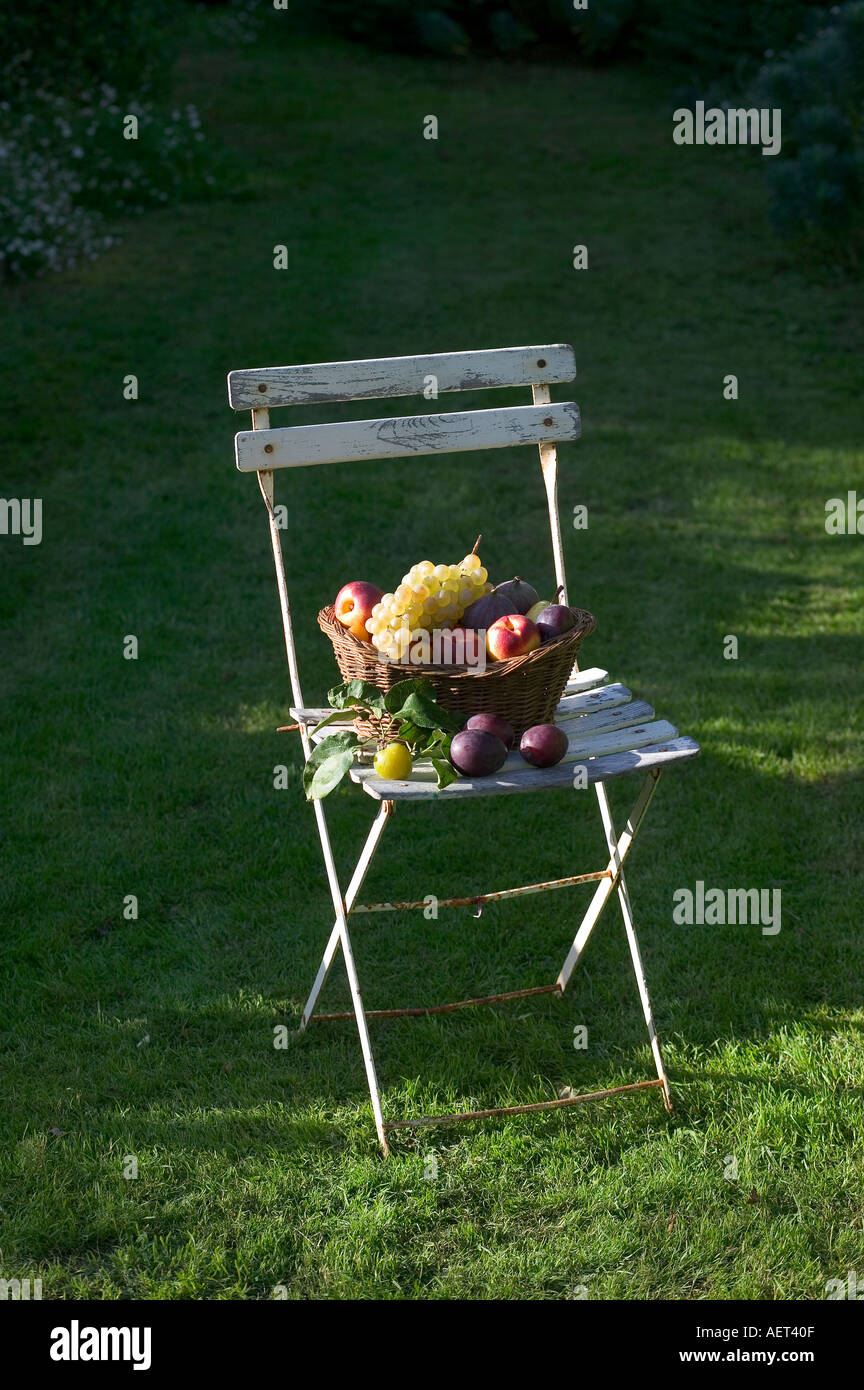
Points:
[[609, 734]]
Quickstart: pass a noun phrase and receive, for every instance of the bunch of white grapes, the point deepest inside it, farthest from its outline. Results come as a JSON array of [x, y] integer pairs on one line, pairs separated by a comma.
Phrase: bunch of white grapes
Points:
[[429, 597]]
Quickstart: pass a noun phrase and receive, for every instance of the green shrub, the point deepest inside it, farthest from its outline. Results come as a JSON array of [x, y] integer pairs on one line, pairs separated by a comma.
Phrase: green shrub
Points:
[[817, 181], [452, 27], [603, 31], [64, 46], [67, 173], [67, 170], [688, 37], [704, 41]]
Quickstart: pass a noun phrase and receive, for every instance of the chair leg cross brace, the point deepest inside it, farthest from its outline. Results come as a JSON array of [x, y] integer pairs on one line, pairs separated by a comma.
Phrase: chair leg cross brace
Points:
[[608, 879]]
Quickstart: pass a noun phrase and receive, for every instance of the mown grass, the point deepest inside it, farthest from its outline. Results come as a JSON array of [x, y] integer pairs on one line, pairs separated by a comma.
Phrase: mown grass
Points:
[[154, 1038]]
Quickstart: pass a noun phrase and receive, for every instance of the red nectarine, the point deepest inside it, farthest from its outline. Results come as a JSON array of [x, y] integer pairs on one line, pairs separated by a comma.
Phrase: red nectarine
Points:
[[512, 635], [353, 606]]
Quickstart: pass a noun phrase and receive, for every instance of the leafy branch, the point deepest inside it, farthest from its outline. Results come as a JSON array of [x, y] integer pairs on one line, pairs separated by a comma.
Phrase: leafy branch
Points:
[[408, 711]]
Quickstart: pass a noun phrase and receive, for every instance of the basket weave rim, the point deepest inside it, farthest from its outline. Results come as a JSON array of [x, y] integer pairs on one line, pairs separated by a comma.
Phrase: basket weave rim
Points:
[[586, 623]]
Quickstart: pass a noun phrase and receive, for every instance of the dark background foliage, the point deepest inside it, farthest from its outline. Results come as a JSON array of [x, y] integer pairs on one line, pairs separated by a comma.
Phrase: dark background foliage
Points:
[[65, 46], [690, 37], [805, 56], [802, 55]]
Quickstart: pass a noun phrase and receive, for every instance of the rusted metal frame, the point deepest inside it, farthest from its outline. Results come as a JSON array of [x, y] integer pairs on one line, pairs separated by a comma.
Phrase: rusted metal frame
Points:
[[633, 943], [518, 1109], [421, 1011], [485, 897], [261, 420], [619, 852]]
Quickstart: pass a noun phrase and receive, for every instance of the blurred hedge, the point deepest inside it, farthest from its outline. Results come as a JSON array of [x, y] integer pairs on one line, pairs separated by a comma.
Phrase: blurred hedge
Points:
[[708, 40], [129, 46], [817, 183], [71, 75], [690, 38]]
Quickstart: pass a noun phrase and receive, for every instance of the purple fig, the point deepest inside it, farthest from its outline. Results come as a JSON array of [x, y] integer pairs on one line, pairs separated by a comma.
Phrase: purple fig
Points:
[[483, 612], [519, 593]]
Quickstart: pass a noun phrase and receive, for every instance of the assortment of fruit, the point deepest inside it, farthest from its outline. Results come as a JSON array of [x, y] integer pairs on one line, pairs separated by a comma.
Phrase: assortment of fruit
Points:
[[482, 621], [407, 724], [430, 596], [508, 620]]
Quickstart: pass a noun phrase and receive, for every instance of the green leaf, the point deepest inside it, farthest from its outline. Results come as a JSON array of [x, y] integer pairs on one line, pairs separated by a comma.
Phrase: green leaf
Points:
[[398, 693], [444, 771], [336, 745], [437, 745], [329, 774], [335, 717], [425, 712], [412, 735], [352, 694]]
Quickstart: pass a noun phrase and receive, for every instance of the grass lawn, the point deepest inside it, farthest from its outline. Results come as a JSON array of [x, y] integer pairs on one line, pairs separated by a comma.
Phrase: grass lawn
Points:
[[153, 1038]]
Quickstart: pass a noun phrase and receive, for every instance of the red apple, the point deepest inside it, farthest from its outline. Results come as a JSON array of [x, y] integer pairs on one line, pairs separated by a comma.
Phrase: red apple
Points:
[[353, 606], [512, 635]]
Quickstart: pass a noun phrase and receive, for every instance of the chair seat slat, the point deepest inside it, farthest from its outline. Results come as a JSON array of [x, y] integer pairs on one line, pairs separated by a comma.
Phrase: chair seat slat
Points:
[[600, 769], [595, 735], [587, 701], [578, 725], [570, 705], [585, 680], [580, 748], [383, 377]]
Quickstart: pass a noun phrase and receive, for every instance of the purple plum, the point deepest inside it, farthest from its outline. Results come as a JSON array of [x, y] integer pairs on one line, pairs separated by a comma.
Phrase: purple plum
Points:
[[543, 745], [554, 621], [493, 724], [476, 753], [483, 612]]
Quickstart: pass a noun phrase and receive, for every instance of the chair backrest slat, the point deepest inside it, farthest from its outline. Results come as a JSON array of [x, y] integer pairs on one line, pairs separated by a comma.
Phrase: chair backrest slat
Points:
[[381, 377], [405, 435]]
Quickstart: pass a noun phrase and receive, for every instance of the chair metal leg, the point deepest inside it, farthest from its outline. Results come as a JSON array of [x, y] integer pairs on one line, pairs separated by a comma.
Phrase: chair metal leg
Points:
[[260, 420], [356, 1000], [357, 878], [618, 852], [630, 929], [626, 912], [365, 1043]]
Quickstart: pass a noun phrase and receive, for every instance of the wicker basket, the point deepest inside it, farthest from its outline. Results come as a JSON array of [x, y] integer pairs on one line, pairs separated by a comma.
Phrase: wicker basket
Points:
[[525, 690]]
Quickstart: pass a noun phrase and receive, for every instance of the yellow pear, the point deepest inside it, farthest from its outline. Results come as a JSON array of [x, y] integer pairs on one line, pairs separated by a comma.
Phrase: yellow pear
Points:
[[534, 612]]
